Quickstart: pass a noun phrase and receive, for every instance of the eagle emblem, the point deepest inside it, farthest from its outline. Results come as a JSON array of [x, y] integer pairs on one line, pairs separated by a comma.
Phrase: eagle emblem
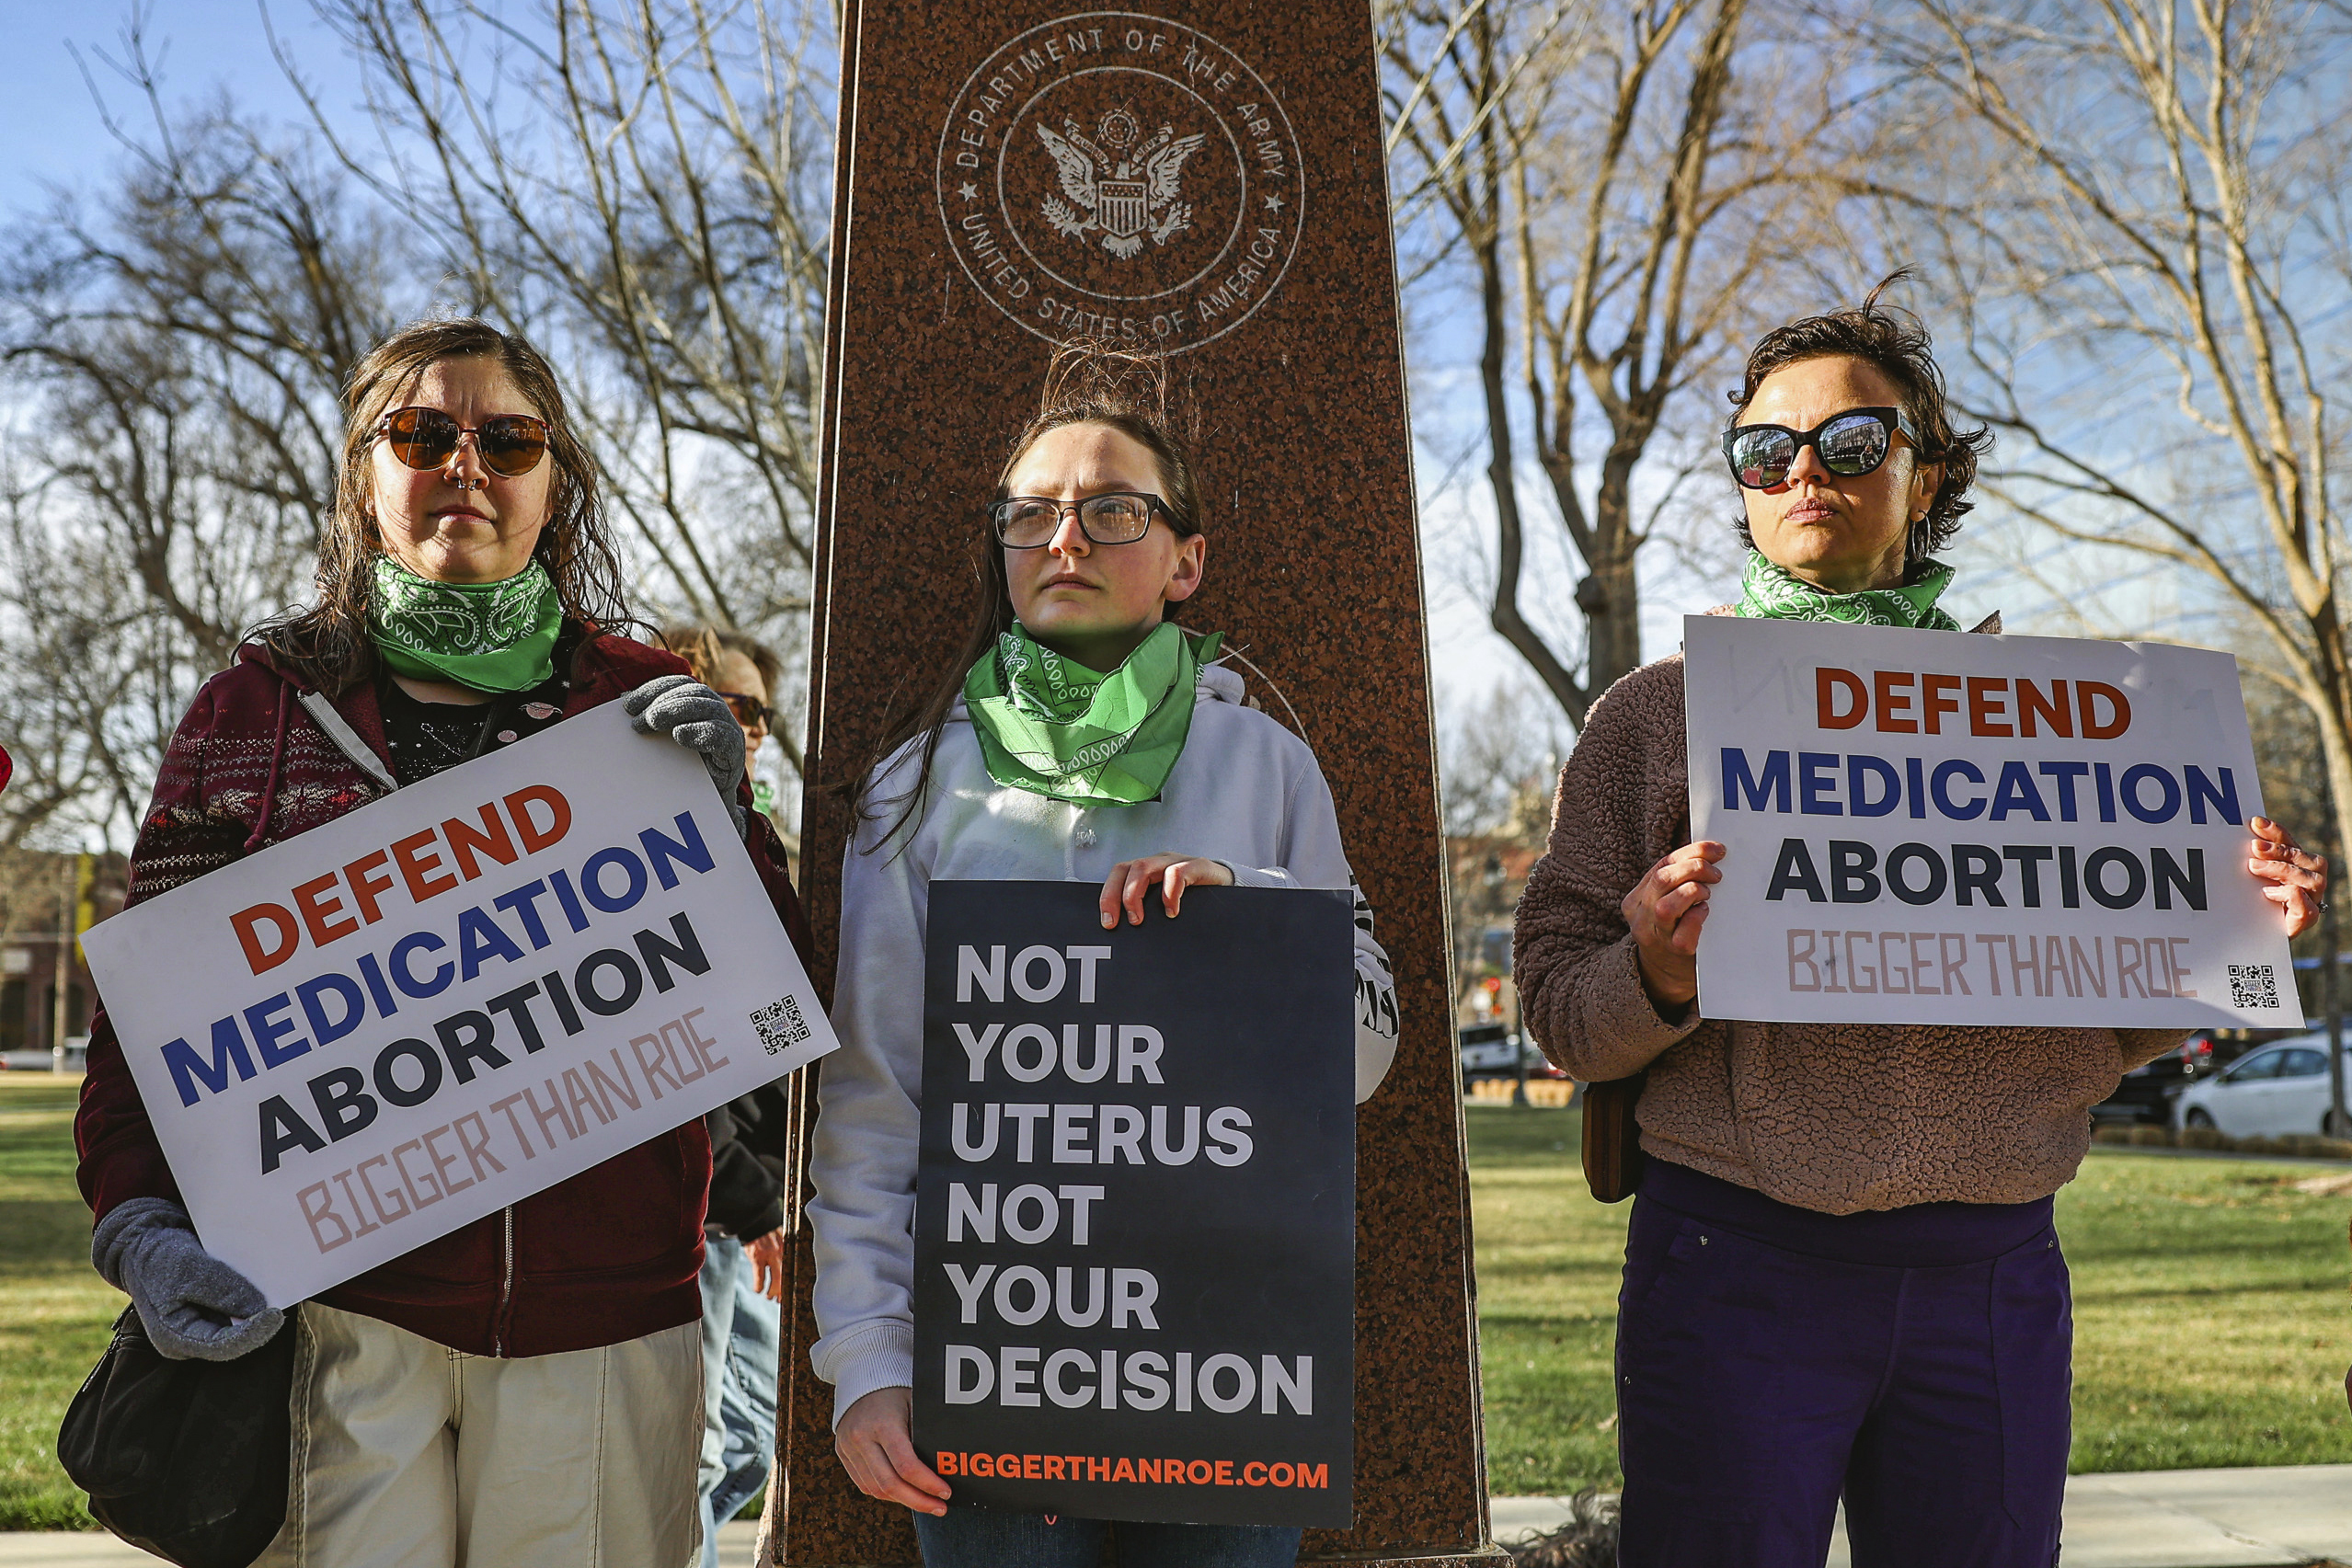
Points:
[[1115, 185]]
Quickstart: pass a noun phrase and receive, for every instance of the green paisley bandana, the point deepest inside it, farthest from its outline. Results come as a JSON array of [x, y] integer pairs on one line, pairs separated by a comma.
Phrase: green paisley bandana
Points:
[[493, 637], [1767, 591], [1054, 728]]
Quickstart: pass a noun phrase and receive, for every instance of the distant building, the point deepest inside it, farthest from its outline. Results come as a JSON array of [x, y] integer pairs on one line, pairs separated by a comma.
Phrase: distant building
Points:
[[46, 902], [1485, 874]]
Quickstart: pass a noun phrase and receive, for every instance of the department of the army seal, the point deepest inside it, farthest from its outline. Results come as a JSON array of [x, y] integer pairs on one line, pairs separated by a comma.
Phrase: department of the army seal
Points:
[[1120, 175]]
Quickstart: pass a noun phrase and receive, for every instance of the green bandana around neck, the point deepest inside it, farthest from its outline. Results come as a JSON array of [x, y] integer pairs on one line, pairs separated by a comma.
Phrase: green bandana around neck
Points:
[[1773, 592], [492, 636], [1054, 728]]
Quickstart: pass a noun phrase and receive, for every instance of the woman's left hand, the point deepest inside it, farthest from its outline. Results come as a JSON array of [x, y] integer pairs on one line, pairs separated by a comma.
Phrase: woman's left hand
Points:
[[2292, 878], [695, 718], [1128, 881]]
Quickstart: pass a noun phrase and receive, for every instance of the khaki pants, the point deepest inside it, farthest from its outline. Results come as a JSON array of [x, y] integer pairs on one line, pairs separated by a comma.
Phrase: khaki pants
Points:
[[407, 1454]]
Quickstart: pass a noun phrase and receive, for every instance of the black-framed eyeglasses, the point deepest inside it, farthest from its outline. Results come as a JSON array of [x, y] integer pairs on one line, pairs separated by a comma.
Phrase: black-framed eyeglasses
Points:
[[747, 710], [510, 444], [1028, 523], [1851, 444]]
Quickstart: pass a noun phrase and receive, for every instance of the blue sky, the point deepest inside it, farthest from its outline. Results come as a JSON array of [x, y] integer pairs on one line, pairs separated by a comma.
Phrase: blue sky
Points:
[[52, 127]]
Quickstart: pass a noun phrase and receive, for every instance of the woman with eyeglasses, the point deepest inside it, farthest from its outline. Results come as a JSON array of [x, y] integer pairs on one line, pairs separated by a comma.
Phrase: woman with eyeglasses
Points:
[[1842, 1278], [526, 1388], [1080, 736]]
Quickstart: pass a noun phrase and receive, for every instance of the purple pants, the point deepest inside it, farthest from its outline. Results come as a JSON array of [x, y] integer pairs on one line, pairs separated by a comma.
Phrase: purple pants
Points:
[[1772, 1359]]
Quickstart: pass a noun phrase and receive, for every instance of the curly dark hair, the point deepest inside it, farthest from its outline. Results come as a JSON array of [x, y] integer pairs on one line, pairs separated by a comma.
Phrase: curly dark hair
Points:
[[1895, 341]]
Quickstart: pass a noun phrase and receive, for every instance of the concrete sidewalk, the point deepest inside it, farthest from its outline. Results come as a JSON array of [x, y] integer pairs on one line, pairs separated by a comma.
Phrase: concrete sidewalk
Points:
[[2291, 1515], [2287, 1517], [46, 1551]]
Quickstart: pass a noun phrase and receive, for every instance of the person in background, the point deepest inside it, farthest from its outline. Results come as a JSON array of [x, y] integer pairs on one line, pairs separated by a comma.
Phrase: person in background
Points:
[[743, 1237], [1842, 1275], [746, 674], [524, 1390]]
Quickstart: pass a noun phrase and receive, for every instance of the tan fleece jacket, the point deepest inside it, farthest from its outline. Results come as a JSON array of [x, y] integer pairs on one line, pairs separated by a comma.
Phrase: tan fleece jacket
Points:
[[1835, 1117]]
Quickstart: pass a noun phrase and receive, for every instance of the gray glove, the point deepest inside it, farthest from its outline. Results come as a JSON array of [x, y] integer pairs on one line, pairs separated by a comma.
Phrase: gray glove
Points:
[[195, 1307], [699, 719]]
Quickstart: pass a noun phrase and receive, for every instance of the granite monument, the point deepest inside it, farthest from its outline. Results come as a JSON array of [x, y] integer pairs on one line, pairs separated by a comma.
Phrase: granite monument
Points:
[[1205, 178]]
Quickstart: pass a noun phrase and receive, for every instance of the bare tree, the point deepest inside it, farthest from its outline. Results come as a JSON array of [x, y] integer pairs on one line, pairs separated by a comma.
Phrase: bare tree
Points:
[[173, 345], [2152, 268], [647, 186], [94, 681], [1497, 757], [1624, 190]]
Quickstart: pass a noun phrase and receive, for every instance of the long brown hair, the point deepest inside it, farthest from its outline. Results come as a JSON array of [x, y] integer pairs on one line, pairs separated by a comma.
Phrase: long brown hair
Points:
[[328, 641], [1086, 382]]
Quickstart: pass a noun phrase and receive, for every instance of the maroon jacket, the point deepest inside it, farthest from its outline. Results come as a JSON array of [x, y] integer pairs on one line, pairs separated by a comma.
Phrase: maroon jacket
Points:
[[611, 1254]]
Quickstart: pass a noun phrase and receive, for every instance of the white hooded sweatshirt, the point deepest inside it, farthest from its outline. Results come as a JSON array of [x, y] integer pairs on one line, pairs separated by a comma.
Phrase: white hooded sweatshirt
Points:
[[1245, 791]]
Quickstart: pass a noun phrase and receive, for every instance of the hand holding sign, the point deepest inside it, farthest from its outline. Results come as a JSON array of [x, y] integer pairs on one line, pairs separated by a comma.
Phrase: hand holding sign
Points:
[[2292, 878], [1131, 880], [875, 1443], [1664, 911]]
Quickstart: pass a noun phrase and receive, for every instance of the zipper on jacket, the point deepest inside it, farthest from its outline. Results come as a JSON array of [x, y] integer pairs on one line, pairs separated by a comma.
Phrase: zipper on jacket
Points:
[[505, 1284]]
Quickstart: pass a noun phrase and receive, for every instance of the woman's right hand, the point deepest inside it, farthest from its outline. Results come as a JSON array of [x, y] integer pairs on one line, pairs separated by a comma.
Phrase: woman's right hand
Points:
[[1124, 888], [875, 1442], [1664, 912]]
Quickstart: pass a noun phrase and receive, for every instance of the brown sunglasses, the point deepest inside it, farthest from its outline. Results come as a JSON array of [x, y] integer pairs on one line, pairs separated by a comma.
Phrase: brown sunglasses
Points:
[[510, 444], [747, 710]]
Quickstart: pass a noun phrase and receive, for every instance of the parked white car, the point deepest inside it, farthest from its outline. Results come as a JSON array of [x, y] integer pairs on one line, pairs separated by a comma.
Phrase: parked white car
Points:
[[2280, 1088]]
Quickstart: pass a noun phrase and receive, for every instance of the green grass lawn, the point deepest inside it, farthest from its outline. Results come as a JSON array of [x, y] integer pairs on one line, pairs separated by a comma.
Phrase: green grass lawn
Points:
[[2212, 1319], [54, 1312]]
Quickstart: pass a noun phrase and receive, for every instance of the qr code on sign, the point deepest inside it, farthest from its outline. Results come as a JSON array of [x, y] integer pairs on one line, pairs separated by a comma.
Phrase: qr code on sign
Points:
[[2253, 985], [780, 1025]]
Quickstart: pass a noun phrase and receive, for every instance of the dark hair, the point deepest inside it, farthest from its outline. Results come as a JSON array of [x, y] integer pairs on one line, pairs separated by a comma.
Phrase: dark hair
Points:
[[701, 645], [329, 641], [1896, 342], [1086, 382]]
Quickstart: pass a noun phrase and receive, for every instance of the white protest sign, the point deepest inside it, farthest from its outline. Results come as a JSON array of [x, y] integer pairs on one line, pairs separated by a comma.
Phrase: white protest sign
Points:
[[389, 1026], [1933, 828]]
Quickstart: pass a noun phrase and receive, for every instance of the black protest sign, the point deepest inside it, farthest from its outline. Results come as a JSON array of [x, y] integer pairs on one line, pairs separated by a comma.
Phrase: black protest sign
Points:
[[1135, 1226]]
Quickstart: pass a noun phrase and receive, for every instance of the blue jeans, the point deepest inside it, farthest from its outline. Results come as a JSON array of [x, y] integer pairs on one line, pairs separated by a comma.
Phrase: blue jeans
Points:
[[987, 1537], [741, 1330]]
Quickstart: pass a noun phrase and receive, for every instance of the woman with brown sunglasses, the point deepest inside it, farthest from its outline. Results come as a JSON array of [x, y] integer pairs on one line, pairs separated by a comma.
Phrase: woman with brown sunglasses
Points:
[[524, 1390]]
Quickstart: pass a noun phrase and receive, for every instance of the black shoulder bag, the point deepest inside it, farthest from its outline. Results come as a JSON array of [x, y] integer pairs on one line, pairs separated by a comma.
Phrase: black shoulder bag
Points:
[[185, 1459]]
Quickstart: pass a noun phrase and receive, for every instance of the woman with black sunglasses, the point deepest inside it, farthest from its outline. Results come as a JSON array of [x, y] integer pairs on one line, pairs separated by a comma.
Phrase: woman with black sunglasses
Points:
[[526, 1388], [1841, 1279], [1081, 736]]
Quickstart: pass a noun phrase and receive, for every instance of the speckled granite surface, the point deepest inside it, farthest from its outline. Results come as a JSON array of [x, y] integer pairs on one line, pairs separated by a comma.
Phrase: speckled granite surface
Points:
[[958, 256]]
